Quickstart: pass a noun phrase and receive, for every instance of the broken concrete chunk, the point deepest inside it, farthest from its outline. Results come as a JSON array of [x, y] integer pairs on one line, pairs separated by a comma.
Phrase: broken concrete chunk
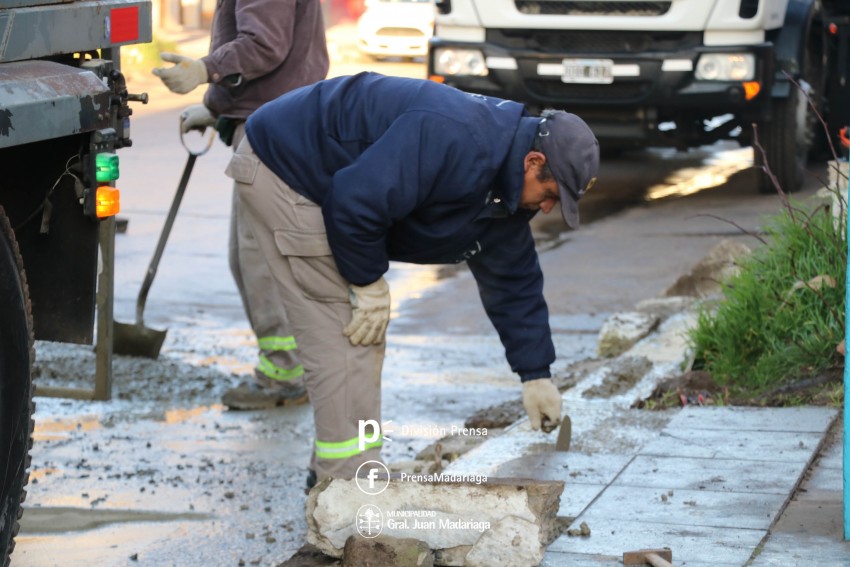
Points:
[[450, 513], [622, 330], [665, 307], [385, 550], [506, 545], [707, 277]]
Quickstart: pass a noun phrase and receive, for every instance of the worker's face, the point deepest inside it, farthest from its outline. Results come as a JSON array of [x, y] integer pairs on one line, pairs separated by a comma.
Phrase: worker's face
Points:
[[537, 195]]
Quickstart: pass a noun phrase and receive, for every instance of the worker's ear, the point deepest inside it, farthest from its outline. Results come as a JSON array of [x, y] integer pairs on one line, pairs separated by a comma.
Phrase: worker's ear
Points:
[[534, 159]]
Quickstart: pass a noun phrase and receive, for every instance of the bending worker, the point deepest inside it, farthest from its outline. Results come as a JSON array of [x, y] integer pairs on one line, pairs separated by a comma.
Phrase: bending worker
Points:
[[259, 49], [341, 177]]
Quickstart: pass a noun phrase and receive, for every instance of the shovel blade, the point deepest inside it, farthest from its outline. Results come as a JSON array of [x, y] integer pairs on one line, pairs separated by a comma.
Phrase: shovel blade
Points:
[[136, 340]]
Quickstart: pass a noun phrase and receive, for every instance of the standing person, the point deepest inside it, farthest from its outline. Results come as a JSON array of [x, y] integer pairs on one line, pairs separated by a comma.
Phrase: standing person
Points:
[[259, 49], [341, 177]]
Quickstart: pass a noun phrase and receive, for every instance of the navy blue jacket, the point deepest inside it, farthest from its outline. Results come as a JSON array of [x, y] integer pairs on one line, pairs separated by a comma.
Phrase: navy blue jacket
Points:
[[415, 171]]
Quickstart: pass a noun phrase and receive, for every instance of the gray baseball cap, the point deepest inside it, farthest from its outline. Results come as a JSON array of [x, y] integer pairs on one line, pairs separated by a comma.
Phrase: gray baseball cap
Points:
[[572, 153]]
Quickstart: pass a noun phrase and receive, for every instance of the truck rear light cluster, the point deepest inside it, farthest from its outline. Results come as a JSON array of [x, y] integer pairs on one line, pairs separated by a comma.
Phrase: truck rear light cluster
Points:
[[107, 198]]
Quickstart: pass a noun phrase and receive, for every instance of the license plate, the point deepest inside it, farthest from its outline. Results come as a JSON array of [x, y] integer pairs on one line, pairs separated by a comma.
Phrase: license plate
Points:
[[597, 71]]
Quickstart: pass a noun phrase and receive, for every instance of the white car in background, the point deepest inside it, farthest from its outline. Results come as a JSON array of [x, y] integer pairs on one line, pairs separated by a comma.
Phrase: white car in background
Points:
[[396, 28]]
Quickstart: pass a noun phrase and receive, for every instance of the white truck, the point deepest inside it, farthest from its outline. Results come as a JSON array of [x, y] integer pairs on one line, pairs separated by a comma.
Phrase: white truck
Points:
[[675, 73]]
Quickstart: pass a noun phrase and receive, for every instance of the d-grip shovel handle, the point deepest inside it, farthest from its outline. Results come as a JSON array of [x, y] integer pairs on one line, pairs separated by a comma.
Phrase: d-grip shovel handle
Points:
[[169, 221], [203, 150]]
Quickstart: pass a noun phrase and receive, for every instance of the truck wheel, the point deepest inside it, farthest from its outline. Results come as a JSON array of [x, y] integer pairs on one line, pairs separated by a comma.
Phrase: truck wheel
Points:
[[786, 141], [16, 405]]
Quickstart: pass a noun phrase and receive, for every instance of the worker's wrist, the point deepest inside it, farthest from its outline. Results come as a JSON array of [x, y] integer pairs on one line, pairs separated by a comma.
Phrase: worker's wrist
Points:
[[529, 375]]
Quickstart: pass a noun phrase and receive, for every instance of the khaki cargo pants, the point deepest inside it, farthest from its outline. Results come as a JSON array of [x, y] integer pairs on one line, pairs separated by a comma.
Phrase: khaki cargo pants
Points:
[[278, 362], [343, 381]]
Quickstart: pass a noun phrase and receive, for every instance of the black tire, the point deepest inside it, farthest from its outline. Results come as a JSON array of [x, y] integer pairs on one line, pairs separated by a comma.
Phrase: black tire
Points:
[[789, 138], [16, 389], [786, 141]]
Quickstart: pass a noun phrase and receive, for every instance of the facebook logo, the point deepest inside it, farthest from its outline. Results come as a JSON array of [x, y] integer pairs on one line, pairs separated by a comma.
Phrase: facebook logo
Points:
[[372, 477]]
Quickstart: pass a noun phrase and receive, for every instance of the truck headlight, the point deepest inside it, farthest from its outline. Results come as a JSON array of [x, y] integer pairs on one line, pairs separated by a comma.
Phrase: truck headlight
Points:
[[448, 61], [726, 67]]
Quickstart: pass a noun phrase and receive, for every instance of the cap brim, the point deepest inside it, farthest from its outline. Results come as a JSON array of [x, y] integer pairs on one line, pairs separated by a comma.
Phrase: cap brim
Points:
[[569, 207]]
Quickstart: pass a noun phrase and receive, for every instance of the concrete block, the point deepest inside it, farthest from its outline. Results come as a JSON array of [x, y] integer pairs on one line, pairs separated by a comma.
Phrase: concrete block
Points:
[[622, 330], [385, 550], [457, 518]]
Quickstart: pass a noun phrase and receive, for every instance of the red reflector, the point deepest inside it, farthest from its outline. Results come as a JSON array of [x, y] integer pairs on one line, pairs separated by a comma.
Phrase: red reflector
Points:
[[124, 24]]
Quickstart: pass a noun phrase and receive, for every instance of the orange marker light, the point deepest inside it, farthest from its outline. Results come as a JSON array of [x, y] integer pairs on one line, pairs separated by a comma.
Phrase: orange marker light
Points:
[[751, 89], [107, 201], [437, 79], [833, 28]]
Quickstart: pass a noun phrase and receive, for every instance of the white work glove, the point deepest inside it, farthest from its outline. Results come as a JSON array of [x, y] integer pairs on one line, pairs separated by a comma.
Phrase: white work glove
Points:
[[370, 313], [196, 117], [542, 402], [185, 75]]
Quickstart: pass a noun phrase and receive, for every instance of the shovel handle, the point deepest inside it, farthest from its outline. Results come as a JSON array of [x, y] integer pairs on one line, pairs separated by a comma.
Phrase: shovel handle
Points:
[[163, 238]]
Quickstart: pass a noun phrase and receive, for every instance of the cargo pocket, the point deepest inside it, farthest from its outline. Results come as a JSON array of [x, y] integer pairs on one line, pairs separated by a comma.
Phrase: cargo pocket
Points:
[[313, 266], [243, 168]]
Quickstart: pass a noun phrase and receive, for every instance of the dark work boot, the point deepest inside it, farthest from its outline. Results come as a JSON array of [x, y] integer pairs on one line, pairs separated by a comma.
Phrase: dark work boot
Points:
[[262, 393]]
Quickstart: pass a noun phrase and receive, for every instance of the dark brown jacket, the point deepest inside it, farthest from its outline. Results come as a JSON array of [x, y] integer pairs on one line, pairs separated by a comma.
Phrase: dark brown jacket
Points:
[[260, 49]]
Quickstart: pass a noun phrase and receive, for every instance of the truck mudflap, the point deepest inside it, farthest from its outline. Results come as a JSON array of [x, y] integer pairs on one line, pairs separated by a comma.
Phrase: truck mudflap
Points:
[[62, 100]]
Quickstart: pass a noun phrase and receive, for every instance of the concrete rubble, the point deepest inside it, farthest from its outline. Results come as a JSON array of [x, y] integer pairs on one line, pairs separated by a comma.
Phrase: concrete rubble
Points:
[[499, 521]]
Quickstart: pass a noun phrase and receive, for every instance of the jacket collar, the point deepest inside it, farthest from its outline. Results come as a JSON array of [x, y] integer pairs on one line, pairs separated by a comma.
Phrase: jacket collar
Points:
[[511, 176]]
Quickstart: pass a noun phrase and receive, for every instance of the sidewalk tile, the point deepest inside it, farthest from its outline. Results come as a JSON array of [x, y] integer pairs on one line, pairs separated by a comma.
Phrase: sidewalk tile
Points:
[[790, 550], [765, 446], [719, 475], [715, 546], [694, 508], [803, 419], [558, 559]]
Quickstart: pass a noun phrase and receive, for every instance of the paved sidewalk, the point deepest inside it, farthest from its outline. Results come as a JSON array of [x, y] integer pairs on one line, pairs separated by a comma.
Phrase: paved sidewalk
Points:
[[708, 482]]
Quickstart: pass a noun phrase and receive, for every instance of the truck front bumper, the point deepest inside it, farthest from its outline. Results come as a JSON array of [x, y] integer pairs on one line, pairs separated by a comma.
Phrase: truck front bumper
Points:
[[648, 87]]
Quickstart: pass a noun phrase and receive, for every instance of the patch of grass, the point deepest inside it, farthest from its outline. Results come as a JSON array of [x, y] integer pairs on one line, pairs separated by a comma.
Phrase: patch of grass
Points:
[[783, 315]]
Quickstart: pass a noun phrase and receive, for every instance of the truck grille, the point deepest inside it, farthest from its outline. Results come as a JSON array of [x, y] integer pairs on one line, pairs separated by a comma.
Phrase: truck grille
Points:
[[590, 93], [591, 8], [591, 41]]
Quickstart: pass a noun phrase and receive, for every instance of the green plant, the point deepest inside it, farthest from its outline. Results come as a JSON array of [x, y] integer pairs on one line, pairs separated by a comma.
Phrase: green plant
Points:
[[783, 315]]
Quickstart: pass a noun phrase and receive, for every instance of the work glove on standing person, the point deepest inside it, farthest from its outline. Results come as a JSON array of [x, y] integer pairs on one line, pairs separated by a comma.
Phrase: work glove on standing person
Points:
[[184, 76], [370, 313], [196, 117], [542, 402]]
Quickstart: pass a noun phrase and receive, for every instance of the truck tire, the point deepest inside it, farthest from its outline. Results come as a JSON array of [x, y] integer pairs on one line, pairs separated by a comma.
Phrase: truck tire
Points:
[[786, 141], [789, 138], [16, 389]]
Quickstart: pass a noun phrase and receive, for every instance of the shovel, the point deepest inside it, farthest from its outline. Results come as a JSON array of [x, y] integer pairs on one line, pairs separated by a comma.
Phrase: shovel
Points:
[[136, 339]]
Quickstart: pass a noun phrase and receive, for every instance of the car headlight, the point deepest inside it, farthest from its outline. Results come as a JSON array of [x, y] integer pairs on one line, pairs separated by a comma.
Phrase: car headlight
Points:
[[449, 61], [726, 67]]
